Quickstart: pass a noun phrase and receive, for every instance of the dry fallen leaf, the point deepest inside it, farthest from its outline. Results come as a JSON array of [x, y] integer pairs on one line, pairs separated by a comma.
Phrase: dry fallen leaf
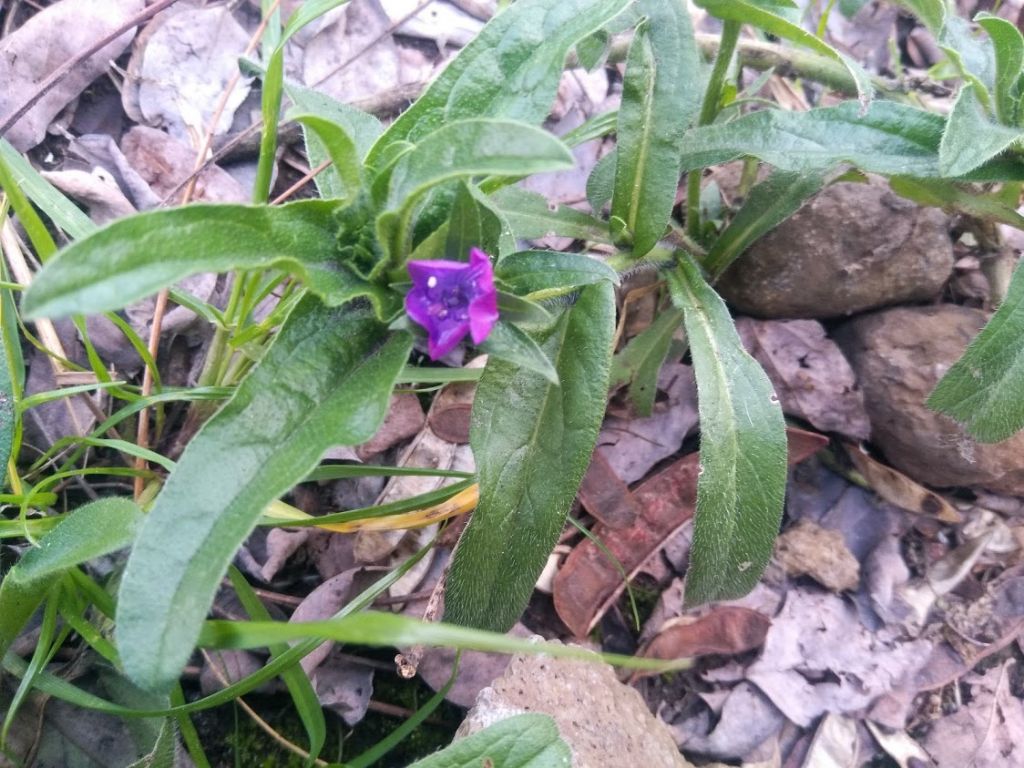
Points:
[[589, 581], [180, 68], [898, 489], [726, 630], [404, 420], [810, 375], [325, 601], [48, 40], [97, 190], [605, 496], [987, 731]]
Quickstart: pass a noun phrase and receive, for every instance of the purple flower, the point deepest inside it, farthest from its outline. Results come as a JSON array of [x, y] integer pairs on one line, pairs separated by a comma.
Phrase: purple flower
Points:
[[451, 299]]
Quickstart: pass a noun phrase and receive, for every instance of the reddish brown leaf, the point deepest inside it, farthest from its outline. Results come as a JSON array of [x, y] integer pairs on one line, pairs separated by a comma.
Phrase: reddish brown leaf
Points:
[[589, 581], [605, 496], [727, 630]]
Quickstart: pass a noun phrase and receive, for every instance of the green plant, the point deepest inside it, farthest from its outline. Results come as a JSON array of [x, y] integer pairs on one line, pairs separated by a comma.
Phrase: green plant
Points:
[[433, 187]]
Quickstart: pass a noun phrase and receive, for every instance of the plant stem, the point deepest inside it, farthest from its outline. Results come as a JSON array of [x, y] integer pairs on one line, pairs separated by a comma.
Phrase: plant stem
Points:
[[708, 111]]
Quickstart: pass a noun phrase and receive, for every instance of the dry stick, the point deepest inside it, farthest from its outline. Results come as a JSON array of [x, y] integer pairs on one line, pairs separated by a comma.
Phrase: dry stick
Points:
[[67, 67], [301, 183], [160, 308]]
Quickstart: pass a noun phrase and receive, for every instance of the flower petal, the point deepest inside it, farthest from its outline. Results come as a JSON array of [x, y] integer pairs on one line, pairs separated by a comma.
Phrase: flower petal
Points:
[[445, 338]]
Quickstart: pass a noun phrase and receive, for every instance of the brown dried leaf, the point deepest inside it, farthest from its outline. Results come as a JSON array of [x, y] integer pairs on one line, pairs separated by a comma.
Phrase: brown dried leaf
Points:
[[42, 44], [987, 732], [726, 630], [812, 378], [605, 496], [589, 582], [164, 163], [404, 420], [97, 190], [898, 489], [325, 601]]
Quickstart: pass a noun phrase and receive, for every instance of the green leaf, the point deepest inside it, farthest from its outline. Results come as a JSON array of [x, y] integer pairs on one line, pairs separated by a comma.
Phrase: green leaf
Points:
[[742, 480], [64, 213], [467, 225], [601, 182], [640, 361], [746, 12], [972, 138], [474, 147], [972, 55], [377, 629], [541, 274], [326, 140], [949, 196], [532, 217], [506, 342], [137, 256], [891, 139], [307, 12], [532, 441], [769, 203], [985, 388], [8, 390], [510, 70], [363, 127], [520, 741], [521, 311], [91, 531], [660, 99], [325, 380], [1009, 54]]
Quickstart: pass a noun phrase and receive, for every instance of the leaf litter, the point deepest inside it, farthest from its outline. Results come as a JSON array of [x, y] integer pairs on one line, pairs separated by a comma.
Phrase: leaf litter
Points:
[[890, 620]]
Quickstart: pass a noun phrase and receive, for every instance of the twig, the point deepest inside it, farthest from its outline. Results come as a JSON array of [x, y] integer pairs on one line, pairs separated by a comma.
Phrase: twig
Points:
[[301, 183], [68, 66]]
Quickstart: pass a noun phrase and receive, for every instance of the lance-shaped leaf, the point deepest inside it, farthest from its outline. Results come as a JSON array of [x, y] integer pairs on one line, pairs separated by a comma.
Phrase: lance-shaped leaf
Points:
[[89, 532], [639, 363], [660, 99], [742, 480], [325, 380], [541, 274], [1009, 54], [511, 69], [137, 256], [985, 388], [471, 148], [769, 203], [890, 139], [532, 441], [326, 140], [747, 12], [972, 137], [531, 217]]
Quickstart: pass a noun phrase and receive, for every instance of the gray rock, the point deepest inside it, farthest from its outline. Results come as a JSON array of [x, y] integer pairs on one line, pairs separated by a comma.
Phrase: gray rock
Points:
[[899, 355], [852, 248], [603, 721]]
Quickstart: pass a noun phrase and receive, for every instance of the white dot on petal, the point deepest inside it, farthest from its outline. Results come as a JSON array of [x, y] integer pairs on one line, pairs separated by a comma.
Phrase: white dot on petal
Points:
[[431, 282]]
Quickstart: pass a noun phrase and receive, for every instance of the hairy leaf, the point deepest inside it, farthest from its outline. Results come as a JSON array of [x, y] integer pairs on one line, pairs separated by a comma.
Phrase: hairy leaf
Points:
[[137, 256], [985, 388], [510, 70], [890, 139], [520, 741], [769, 203], [660, 100], [972, 138], [547, 273], [531, 216], [1009, 54], [742, 480], [91, 531], [325, 380], [639, 363], [532, 441]]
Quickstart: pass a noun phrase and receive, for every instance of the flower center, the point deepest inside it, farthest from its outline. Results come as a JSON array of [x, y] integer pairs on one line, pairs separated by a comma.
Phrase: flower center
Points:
[[450, 303]]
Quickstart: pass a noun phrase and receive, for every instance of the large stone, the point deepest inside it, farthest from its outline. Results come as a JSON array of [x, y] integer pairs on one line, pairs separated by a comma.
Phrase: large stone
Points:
[[899, 355], [852, 248], [604, 722]]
